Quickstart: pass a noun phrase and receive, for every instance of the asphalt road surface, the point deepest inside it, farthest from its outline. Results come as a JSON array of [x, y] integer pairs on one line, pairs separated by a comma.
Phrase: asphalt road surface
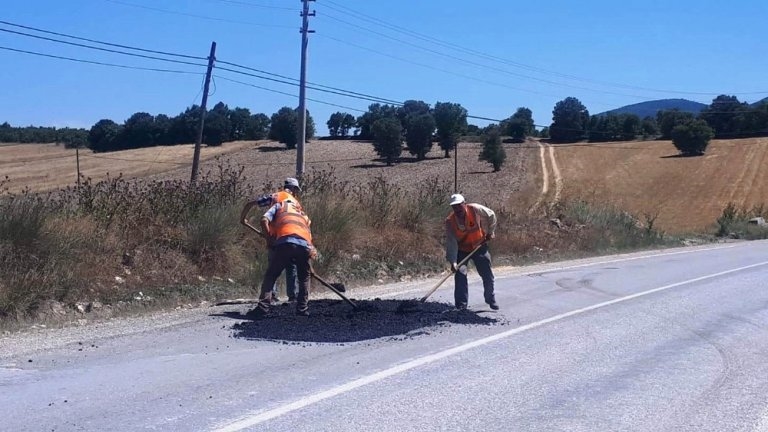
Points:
[[672, 340]]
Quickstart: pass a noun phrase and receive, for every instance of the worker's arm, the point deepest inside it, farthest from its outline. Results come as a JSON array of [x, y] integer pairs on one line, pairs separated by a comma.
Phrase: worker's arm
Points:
[[266, 220], [262, 201], [489, 219]]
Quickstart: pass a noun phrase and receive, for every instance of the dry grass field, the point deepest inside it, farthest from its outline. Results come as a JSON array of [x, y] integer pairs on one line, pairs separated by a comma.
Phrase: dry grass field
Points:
[[688, 194], [42, 167]]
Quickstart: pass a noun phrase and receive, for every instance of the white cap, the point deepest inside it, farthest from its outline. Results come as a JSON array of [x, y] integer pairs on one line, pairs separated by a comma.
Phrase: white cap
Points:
[[292, 182], [457, 199]]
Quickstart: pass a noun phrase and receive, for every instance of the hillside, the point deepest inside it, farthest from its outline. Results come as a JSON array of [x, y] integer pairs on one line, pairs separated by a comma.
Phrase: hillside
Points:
[[650, 108], [645, 177], [761, 101]]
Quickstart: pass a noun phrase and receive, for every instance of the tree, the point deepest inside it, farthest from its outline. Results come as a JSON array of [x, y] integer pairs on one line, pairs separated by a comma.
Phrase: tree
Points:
[[239, 120], [520, 125], [493, 152], [138, 131], [103, 136], [418, 136], [630, 126], [387, 138], [375, 112], [544, 132], [257, 127], [347, 123], [184, 126], [725, 116], [284, 127], [472, 130], [334, 124], [570, 119], [649, 127], [218, 126], [411, 109], [451, 123], [692, 137], [668, 119]]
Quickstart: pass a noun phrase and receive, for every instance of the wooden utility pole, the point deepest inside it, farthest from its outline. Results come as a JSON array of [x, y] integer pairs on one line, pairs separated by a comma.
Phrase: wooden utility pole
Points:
[[77, 158], [302, 138], [203, 104], [456, 167]]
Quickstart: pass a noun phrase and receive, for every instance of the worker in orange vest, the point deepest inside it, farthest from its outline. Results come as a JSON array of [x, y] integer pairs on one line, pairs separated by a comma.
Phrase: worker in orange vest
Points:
[[467, 227], [287, 231], [291, 190]]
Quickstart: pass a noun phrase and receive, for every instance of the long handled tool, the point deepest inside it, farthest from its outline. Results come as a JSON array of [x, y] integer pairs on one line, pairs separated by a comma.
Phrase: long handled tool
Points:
[[458, 266], [413, 305], [336, 288]]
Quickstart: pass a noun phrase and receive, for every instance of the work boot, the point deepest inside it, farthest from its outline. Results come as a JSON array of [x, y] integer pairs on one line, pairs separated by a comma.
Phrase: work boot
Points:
[[494, 305], [260, 311], [291, 299], [302, 312], [461, 306]]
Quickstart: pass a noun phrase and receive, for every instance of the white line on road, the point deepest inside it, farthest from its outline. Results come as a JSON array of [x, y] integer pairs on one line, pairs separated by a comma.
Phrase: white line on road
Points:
[[261, 417]]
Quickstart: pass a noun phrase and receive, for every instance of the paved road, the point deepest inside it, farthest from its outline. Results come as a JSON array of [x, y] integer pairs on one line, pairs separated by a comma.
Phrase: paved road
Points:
[[672, 340]]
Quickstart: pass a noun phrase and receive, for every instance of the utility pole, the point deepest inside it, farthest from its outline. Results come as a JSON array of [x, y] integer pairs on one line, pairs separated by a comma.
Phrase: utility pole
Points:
[[456, 167], [196, 157], [305, 14], [77, 157]]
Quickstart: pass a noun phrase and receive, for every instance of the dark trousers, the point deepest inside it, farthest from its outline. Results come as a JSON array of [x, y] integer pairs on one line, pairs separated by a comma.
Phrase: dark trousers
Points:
[[482, 261], [280, 258], [290, 280]]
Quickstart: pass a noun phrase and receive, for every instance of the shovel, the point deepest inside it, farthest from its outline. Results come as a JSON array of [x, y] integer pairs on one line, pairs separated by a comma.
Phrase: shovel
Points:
[[412, 304], [337, 288]]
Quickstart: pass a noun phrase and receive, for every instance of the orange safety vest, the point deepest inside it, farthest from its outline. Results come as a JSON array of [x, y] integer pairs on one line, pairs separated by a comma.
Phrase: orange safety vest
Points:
[[290, 220], [279, 197], [472, 235]]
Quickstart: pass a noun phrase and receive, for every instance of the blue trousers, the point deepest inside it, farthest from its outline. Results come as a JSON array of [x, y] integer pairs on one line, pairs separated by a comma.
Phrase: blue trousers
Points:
[[482, 261]]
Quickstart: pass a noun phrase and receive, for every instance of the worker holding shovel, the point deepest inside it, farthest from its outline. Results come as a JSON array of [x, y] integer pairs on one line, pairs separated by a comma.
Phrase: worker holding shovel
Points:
[[286, 229], [291, 190], [468, 228]]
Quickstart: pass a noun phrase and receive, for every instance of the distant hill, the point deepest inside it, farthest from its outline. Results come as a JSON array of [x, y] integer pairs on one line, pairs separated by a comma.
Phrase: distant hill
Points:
[[765, 100], [650, 108]]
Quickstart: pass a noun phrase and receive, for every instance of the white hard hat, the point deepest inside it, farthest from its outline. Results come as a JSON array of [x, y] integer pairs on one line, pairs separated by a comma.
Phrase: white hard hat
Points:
[[457, 199]]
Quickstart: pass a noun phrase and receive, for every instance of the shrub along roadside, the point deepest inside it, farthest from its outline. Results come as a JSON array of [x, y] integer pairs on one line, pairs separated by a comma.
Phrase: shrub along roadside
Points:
[[164, 243]]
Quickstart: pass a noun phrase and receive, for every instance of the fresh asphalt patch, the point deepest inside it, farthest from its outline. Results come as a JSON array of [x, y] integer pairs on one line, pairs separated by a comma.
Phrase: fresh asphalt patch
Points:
[[335, 321]]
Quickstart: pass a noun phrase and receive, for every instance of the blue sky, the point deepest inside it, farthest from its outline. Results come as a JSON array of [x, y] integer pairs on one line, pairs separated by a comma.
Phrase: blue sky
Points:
[[532, 54]]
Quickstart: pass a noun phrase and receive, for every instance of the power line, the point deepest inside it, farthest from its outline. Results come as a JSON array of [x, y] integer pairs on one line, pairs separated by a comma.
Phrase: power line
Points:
[[100, 63], [197, 16], [498, 59], [258, 5], [371, 99], [286, 93], [102, 42], [428, 66], [308, 82], [474, 63], [100, 49]]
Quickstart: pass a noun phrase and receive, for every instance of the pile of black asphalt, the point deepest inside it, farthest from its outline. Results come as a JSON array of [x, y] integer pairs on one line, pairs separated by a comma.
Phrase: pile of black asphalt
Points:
[[335, 321]]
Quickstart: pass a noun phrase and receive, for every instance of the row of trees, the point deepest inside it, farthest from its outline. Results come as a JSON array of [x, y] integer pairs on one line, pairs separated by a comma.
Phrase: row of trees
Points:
[[70, 137], [416, 126], [222, 124], [726, 116]]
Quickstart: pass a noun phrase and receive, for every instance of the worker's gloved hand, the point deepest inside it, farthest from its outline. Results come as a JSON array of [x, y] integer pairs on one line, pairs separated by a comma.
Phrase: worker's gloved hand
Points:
[[312, 253], [490, 236], [454, 267]]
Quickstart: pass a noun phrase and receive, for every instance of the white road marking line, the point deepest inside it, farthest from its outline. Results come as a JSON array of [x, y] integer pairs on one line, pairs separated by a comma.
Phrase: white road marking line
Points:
[[575, 266], [263, 416]]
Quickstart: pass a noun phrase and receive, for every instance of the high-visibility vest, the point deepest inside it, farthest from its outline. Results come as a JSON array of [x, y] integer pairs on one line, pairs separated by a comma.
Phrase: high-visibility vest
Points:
[[290, 220], [472, 235], [279, 197]]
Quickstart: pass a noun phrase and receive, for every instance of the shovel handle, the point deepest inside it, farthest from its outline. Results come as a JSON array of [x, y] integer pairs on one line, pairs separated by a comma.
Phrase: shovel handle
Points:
[[330, 287], [445, 278]]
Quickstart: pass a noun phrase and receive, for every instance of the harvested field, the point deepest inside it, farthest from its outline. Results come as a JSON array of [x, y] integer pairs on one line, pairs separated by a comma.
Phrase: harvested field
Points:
[[356, 161], [688, 194], [42, 167]]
